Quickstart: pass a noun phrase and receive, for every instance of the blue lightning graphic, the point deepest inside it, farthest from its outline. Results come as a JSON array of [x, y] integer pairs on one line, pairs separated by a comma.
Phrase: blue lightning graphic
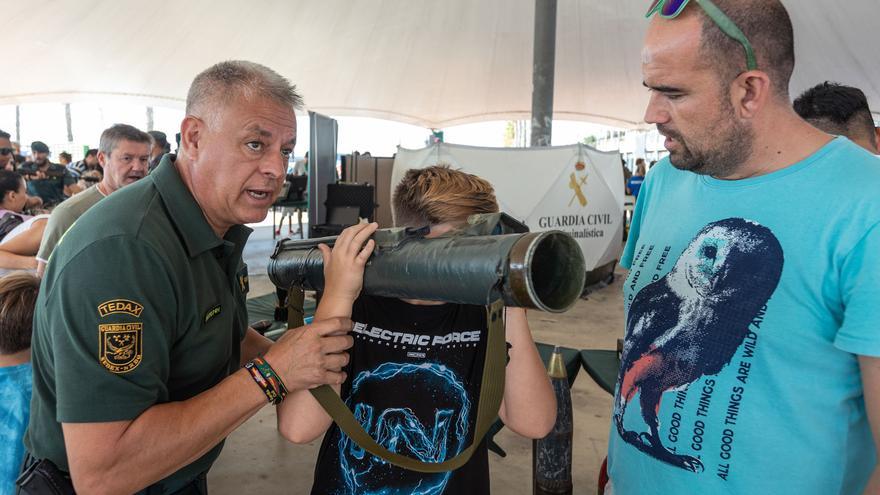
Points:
[[399, 430]]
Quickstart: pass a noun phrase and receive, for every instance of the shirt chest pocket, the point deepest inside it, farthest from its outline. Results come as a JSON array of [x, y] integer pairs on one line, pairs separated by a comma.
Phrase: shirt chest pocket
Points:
[[217, 321], [207, 349], [217, 315]]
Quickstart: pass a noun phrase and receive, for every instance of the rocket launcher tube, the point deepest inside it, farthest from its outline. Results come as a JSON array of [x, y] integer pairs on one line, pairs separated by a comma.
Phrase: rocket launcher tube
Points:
[[540, 270]]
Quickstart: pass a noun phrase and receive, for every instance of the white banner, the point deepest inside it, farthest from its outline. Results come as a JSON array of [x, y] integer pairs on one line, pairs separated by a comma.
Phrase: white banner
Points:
[[575, 189]]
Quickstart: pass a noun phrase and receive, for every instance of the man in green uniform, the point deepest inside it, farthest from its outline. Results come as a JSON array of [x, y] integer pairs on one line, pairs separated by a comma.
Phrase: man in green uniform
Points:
[[141, 326], [124, 155], [51, 182]]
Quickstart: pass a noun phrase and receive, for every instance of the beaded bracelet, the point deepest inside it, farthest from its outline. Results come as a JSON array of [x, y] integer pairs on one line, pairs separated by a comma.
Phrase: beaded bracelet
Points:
[[267, 388]]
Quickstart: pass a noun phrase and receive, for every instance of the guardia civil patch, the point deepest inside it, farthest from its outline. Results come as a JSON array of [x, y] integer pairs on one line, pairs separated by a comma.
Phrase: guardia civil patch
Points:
[[121, 346], [120, 306]]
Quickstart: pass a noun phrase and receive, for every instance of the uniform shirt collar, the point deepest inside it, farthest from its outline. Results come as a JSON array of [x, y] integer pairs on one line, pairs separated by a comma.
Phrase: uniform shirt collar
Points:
[[188, 217]]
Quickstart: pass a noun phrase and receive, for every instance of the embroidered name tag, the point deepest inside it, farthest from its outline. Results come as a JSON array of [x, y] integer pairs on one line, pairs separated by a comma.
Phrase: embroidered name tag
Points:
[[212, 313]]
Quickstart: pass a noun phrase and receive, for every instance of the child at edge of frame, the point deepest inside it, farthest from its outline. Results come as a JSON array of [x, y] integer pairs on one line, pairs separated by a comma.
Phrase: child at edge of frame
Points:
[[18, 297], [413, 376]]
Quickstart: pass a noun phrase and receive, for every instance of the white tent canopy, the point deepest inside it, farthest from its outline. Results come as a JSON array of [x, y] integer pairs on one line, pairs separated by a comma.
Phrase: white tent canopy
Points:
[[429, 63]]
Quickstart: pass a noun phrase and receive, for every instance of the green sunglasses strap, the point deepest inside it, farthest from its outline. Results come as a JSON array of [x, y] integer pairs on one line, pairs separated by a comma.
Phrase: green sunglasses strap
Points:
[[491, 393], [730, 29]]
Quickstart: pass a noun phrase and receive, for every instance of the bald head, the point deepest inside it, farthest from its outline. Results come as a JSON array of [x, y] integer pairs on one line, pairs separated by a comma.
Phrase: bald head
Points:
[[217, 85], [768, 28], [678, 40]]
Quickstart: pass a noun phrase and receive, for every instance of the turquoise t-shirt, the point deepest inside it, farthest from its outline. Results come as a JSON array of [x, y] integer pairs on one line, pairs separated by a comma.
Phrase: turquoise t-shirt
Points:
[[16, 383], [747, 303]]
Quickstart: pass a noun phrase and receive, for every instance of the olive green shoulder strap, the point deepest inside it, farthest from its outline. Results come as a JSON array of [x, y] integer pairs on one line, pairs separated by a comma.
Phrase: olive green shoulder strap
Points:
[[491, 393]]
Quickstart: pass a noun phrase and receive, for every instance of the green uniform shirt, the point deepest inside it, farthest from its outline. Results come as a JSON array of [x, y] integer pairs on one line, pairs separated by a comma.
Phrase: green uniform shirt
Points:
[[63, 216], [142, 304]]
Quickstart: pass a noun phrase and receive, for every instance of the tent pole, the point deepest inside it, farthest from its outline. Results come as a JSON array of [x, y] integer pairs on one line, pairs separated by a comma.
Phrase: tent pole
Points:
[[149, 119], [69, 120], [543, 68]]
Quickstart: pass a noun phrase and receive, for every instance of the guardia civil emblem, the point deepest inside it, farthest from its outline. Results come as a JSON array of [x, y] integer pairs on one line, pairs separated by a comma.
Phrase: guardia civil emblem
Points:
[[121, 346], [577, 181]]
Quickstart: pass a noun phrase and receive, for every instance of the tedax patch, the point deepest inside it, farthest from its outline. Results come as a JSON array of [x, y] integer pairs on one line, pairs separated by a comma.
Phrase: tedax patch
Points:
[[123, 306]]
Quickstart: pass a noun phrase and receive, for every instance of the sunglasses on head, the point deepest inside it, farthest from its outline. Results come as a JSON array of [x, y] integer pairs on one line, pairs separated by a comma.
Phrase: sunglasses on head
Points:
[[670, 9], [6, 151]]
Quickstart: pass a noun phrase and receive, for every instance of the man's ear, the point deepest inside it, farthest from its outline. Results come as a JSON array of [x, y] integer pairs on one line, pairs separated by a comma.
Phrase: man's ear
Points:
[[103, 159], [191, 132], [750, 92]]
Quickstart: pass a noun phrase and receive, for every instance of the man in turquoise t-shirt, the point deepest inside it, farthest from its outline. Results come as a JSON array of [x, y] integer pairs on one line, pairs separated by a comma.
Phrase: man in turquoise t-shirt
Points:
[[750, 363]]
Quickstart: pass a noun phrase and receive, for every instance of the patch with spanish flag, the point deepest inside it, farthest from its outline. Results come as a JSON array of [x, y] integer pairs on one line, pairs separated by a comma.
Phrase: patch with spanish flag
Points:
[[121, 346], [243, 282]]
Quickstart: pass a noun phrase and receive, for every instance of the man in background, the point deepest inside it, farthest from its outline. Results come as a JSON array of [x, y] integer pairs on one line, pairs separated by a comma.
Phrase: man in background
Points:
[[88, 163], [160, 147], [840, 110], [6, 152], [124, 153], [17, 157], [65, 159], [7, 162], [53, 183]]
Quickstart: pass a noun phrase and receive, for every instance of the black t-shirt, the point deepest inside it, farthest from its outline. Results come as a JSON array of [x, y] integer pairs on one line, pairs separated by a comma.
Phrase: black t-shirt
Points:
[[414, 384]]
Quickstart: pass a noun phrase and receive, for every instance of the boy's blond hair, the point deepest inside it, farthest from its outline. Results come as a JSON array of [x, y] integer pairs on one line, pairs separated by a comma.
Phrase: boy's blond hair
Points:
[[439, 194]]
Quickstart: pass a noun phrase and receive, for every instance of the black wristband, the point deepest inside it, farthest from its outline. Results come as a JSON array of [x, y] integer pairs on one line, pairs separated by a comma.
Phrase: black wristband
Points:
[[267, 388]]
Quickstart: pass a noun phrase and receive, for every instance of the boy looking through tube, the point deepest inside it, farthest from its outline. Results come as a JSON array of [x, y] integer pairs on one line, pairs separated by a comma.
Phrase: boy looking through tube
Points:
[[413, 378]]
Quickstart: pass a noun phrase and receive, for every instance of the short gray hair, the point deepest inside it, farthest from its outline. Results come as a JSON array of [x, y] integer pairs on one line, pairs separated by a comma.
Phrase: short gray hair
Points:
[[121, 132], [247, 79]]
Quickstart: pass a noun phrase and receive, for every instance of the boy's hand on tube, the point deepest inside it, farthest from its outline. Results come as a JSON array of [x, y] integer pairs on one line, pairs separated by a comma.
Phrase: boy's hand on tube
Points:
[[344, 264]]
